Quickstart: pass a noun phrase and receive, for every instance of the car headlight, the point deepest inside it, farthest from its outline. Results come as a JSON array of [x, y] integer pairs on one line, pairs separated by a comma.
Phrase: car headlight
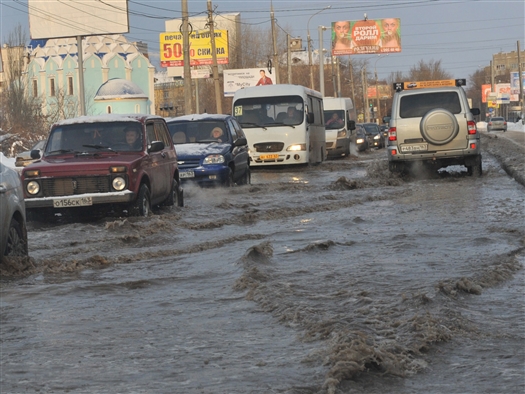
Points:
[[377, 137], [118, 183], [33, 187], [213, 159], [296, 147], [341, 134], [359, 140]]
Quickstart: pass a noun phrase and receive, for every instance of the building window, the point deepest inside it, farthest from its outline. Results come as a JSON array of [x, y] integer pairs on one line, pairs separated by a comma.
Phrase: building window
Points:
[[108, 109], [52, 87], [70, 86], [35, 88]]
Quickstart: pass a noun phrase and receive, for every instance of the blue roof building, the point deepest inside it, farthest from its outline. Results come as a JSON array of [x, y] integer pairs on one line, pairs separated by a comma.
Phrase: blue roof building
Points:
[[118, 78]]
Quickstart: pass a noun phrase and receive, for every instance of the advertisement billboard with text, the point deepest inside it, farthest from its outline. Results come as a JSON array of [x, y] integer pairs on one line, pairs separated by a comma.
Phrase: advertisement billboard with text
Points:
[[243, 78], [366, 36], [171, 49]]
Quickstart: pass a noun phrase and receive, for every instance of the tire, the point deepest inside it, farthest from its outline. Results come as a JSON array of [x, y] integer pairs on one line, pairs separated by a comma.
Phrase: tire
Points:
[[16, 239], [229, 179], [247, 177], [476, 169], [397, 168], [173, 197], [142, 205]]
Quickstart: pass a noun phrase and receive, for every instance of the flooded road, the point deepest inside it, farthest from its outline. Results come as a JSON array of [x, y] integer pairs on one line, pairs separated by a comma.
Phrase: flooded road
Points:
[[337, 278]]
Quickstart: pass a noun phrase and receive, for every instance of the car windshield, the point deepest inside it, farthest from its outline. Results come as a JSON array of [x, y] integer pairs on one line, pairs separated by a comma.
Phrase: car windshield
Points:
[[198, 131], [334, 119], [269, 111], [371, 128], [497, 119], [95, 137]]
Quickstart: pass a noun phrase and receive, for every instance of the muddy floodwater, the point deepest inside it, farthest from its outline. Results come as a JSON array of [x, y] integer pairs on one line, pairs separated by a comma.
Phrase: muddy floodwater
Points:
[[336, 278]]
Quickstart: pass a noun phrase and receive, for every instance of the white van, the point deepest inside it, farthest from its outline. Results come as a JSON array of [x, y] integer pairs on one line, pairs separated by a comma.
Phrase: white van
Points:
[[283, 124], [338, 114]]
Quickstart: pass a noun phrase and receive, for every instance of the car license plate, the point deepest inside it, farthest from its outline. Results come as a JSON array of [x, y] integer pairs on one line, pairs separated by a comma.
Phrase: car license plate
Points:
[[187, 174], [72, 202], [414, 148], [268, 157]]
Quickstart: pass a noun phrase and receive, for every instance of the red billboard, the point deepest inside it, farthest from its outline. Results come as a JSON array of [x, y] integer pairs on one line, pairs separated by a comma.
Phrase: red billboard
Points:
[[366, 36]]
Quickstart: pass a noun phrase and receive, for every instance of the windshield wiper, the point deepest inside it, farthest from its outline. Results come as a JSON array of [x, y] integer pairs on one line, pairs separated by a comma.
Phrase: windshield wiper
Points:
[[59, 151], [98, 147], [253, 124]]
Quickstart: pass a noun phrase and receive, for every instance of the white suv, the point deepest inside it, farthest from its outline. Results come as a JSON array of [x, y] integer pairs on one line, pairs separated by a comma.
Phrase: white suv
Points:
[[432, 124]]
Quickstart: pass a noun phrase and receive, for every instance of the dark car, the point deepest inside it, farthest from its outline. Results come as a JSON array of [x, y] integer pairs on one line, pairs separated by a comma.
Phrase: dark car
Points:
[[121, 163], [361, 140], [24, 158], [211, 149], [13, 232], [374, 135]]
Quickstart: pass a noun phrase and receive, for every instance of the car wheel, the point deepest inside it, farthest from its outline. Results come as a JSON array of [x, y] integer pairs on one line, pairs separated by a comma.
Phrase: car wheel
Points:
[[173, 196], [16, 239], [142, 205], [229, 179], [476, 169], [347, 150], [247, 177], [396, 167]]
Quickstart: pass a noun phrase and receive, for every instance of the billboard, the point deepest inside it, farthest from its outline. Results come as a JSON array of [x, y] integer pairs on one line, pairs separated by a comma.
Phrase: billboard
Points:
[[486, 89], [243, 78], [515, 85], [382, 91], [58, 18], [366, 36], [172, 50]]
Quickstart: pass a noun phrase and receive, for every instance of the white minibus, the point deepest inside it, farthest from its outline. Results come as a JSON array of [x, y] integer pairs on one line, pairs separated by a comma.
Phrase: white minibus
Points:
[[283, 124], [339, 112]]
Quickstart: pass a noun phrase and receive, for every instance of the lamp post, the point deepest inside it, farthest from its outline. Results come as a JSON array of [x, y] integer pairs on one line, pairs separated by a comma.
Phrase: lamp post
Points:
[[310, 46], [321, 60], [377, 90]]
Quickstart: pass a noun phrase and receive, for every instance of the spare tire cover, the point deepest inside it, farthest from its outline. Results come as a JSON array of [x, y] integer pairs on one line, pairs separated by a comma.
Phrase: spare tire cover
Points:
[[439, 126]]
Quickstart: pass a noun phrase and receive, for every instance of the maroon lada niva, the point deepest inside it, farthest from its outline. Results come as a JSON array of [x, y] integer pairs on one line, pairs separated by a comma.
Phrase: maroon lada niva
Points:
[[100, 164]]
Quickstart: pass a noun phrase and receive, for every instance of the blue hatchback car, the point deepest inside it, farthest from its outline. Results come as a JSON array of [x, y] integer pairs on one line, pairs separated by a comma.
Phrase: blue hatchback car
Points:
[[211, 149]]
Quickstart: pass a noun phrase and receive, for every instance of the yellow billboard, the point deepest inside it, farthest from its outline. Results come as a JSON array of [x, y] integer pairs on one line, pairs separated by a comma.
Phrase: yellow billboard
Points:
[[172, 50]]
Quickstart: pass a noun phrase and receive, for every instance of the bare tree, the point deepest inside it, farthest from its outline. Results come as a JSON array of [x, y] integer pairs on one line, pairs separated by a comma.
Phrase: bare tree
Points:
[[20, 113], [428, 71]]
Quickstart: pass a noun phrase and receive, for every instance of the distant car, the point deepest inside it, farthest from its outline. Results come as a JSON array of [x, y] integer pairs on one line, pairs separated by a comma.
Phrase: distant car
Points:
[[361, 140], [374, 135], [206, 157], [13, 232], [102, 164], [496, 123], [24, 158]]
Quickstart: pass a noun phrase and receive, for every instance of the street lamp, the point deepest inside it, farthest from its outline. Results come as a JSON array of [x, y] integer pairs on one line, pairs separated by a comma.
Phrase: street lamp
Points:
[[377, 90], [310, 46], [321, 59]]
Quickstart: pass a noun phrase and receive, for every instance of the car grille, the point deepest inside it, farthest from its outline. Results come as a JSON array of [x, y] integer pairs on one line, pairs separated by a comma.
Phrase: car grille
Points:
[[269, 147], [56, 187], [192, 163]]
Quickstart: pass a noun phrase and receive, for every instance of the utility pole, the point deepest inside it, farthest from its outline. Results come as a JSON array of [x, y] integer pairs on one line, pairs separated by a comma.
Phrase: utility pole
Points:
[[188, 101], [218, 98], [274, 40], [365, 95], [289, 52], [520, 77]]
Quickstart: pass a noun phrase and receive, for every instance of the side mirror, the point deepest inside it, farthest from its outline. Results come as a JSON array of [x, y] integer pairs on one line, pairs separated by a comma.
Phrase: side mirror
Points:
[[475, 111], [310, 117], [156, 146], [35, 154], [351, 125], [241, 142]]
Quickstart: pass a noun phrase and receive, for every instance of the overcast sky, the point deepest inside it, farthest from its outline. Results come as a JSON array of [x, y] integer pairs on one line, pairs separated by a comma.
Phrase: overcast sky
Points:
[[463, 34]]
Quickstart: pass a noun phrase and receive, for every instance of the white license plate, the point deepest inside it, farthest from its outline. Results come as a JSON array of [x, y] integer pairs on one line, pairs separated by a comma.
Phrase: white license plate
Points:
[[414, 148], [187, 174], [72, 202]]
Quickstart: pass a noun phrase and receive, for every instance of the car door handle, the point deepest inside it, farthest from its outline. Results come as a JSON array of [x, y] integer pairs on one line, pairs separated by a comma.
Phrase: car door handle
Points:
[[163, 154]]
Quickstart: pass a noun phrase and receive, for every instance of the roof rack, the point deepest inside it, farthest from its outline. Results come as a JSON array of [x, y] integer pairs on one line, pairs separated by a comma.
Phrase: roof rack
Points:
[[399, 86]]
